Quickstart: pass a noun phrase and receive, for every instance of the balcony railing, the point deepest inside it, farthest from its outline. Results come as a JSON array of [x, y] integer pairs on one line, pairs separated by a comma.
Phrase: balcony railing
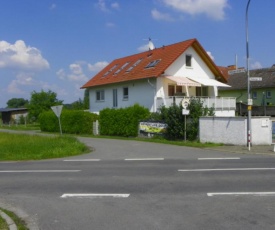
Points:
[[218, 103]]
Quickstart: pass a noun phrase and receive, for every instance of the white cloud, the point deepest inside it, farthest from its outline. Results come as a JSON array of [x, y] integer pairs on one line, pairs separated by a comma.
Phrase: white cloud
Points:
[[97, 66], [210, 55], [53, 6], [20, 56], [76, 73], [161, 16], [101, 4], [115, 5], [256, 65], [76, 69], [22, 80], [212, 8], [110, 25]]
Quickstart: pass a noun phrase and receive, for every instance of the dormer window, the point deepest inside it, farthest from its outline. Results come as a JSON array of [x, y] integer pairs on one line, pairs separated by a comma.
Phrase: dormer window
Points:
[[152, 63], [188, 60]]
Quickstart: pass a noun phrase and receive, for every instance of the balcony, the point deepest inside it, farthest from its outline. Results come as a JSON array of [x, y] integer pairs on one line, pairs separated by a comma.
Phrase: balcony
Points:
[[218, 103]]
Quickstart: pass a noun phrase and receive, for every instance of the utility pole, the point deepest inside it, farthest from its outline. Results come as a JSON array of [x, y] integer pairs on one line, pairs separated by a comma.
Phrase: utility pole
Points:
[[249, 100]]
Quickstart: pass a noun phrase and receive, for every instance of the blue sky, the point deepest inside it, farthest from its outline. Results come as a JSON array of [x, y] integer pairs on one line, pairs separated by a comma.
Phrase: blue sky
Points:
[[58, 45]]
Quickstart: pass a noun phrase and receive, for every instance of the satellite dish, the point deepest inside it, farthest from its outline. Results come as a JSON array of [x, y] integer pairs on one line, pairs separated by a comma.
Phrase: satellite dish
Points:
[[151, 44]]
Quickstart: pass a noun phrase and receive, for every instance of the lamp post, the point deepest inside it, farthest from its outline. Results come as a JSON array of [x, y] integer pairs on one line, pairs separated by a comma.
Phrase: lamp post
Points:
[[249, 100]]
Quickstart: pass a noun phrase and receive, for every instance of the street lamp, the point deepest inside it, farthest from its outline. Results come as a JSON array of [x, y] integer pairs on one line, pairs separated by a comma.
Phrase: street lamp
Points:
[[249, 100]]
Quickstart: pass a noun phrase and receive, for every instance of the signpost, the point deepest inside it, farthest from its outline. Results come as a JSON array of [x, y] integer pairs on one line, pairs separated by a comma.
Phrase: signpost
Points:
[[185, 112], [57, 110]]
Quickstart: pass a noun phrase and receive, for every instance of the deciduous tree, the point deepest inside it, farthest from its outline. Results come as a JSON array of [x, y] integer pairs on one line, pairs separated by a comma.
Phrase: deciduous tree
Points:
[[42, 101], [17, 103]]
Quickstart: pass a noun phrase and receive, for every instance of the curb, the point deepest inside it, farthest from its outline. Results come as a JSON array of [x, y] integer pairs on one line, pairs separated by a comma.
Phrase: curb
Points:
[[10, 222]]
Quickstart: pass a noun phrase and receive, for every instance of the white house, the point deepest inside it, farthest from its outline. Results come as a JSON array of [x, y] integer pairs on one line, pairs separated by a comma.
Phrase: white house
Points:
[[161, 76]]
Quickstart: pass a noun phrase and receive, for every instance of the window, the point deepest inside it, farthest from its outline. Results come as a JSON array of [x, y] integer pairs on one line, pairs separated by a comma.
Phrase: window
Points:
[[115, 98], [125, 93], [202, 91], [110, 70], [188, 60], [171, 90], [121, 68], [254, 95], [268, 94], [152, 63], [134, 65], [100, 95]]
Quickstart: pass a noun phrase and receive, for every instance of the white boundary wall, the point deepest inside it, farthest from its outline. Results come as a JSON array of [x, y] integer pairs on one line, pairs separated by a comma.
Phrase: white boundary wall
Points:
[[233, 130]]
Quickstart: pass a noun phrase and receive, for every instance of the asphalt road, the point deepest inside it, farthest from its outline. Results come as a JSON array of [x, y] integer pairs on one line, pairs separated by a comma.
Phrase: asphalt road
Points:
[[135, 185]]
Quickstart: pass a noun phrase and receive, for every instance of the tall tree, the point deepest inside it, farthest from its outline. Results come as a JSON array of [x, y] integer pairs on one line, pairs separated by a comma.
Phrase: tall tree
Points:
[[42, 101], [17, 103]]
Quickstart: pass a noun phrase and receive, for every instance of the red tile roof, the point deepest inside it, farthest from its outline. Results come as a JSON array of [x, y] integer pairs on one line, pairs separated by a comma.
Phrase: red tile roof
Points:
[[167, 54]]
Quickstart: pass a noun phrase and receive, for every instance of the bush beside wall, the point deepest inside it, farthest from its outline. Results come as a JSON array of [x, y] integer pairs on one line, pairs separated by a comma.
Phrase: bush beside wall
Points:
[[123, 121]]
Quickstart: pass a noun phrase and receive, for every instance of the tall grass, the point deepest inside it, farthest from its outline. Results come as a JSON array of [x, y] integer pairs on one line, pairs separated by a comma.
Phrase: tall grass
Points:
[[33, 147]]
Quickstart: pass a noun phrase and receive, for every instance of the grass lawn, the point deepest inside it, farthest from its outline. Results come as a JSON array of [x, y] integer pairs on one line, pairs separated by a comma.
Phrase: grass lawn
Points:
[[3, 224], [21, 225], [18, 147]]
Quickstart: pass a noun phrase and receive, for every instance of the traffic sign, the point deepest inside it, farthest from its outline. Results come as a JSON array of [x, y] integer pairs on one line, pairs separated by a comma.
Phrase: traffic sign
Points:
[[57, 110], [185, 112], [255, 79], [185, 103]]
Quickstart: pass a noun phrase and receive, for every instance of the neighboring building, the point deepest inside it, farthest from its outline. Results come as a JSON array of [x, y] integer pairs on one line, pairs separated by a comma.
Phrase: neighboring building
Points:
[[161, 76], [12, 115], [262, 86]]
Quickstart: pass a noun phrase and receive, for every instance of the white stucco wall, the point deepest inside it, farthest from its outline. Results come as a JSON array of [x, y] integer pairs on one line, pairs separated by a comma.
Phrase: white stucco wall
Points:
[[233, 130], [140, 92], [198, 69]]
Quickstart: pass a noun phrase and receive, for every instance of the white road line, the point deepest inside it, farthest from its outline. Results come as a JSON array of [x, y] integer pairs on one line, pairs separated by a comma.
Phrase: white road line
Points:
[[144, 159], [38, 171], [95, 195], [229, 169], [231, 158], [242, 194], [83, 160]]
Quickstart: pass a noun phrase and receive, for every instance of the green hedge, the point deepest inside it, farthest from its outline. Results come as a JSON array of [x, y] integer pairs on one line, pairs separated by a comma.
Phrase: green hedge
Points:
[[122, 122], [72, 121]]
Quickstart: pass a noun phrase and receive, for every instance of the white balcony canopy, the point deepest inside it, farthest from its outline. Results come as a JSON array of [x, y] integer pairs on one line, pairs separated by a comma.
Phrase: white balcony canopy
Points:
[[208, 82], [183, 81]]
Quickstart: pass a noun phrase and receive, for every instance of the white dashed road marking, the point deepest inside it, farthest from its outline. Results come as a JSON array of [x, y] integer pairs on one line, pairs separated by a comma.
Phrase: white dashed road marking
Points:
[[38, 171], [229, 169], [76, 160], [232, 158], [95, 195], [242, 194], [144, 159]]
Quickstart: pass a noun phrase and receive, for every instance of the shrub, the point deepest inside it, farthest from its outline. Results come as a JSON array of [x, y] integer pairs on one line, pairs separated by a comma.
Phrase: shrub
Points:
[[123, 121], [72, 121], [173, 117]]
